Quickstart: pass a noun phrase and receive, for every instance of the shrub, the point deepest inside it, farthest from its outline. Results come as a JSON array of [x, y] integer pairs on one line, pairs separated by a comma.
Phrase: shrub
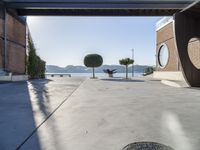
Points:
[[35, 65], [148, 71]]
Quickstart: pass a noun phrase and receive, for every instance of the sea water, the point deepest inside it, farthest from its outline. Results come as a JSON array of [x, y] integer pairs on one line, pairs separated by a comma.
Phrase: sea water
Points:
[[136, 74]]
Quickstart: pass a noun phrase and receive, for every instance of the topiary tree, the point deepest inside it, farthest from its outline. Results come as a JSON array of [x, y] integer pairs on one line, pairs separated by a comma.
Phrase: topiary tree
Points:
[[126, 62], [93, 61]]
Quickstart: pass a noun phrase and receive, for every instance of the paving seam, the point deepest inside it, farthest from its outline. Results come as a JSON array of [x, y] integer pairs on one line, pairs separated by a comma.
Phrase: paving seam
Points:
[[35, 130]]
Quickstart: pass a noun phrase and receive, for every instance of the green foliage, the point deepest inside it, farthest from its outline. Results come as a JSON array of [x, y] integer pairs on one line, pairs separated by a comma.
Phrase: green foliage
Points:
[[35, 65], [126, 62], [93, 60], [148, 71]]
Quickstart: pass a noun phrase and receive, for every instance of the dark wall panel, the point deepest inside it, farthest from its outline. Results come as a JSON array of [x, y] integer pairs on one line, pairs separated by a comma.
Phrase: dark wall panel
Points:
[[187, 26]]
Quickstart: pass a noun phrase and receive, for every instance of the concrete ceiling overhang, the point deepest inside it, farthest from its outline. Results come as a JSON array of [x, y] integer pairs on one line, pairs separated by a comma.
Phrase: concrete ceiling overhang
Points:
[[98, 7], [192, 9]]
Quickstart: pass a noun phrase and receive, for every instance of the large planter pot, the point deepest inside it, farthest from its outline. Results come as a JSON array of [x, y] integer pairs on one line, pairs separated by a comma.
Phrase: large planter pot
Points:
[[110, 75]]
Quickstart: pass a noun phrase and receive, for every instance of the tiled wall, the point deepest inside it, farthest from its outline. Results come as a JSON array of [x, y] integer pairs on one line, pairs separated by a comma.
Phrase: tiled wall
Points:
[[16, 44]]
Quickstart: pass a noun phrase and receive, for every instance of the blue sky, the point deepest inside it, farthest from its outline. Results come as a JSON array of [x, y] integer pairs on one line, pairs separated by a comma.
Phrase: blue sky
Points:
[[65, 41]]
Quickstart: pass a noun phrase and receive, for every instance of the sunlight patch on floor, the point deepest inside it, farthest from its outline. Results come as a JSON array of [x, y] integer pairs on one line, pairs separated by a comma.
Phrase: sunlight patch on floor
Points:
[[175, 132]]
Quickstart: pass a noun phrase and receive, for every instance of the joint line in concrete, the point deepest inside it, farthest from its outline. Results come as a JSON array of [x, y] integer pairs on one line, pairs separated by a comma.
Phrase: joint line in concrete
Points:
[[35, 130]]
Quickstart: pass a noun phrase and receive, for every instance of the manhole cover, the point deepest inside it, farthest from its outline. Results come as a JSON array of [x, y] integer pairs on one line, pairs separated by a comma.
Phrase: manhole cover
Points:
[[146, 146]]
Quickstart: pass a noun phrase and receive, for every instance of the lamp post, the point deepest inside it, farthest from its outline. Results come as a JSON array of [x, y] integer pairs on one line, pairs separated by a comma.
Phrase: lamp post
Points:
[[133, 62]]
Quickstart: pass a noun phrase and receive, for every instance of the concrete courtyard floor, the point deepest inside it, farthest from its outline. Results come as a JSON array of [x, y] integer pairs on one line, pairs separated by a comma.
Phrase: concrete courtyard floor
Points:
[[101, 114]]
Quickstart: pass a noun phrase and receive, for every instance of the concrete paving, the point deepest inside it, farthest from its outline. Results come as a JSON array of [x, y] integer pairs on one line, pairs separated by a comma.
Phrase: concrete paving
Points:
[[100, 114], [25, 105]]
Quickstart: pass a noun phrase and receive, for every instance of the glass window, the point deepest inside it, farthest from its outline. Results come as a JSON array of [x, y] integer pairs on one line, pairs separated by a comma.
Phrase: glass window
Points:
[[163, 55]]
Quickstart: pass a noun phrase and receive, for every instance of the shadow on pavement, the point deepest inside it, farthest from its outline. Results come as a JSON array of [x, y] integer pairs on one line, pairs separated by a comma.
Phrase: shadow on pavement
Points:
[[17, 116], [5, 82], [40, 90], [42, 98], [123, 80]]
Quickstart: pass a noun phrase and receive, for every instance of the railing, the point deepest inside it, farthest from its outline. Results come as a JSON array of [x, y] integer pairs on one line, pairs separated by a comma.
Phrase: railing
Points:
[[57, 74]]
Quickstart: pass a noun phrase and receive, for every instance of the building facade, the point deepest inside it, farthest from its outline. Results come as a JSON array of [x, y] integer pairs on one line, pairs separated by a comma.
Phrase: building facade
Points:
[[168, 65], [12, 43], [167, 62]]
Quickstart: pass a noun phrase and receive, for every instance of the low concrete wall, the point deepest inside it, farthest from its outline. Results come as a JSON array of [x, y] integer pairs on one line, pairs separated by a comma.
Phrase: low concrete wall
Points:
[[19, 78], [169, 75], [14, 78], [6, 78]]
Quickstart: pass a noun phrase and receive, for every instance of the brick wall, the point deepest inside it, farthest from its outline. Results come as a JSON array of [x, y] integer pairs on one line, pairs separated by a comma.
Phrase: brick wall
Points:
[[16, 58], [1, 27], [16, 31], [16, 44], [1, 38], [166, 35], [194, 52], [16, 52], [1, 52]]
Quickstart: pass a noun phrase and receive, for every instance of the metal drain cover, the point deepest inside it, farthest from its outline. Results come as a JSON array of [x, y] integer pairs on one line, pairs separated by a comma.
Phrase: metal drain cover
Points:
[[146, 146]]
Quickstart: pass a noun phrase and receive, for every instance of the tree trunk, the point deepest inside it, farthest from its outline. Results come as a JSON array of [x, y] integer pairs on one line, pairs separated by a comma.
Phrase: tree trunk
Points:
[[126, 71], [93, 72]]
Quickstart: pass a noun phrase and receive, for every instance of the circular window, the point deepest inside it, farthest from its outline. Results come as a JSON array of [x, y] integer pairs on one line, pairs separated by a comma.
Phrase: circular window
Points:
[[194, 52], [163, 55]]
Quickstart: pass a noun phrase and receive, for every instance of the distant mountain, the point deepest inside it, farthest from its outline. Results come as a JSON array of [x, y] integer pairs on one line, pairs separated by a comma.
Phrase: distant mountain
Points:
[[83, 69]]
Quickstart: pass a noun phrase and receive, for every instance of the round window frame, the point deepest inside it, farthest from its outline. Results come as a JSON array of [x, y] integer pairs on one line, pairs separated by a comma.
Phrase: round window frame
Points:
[[189, 41], [159, 62]]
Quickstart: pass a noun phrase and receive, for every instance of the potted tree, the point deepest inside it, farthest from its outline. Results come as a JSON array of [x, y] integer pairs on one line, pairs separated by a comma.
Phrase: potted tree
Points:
[[93, 61], [126, 62]]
